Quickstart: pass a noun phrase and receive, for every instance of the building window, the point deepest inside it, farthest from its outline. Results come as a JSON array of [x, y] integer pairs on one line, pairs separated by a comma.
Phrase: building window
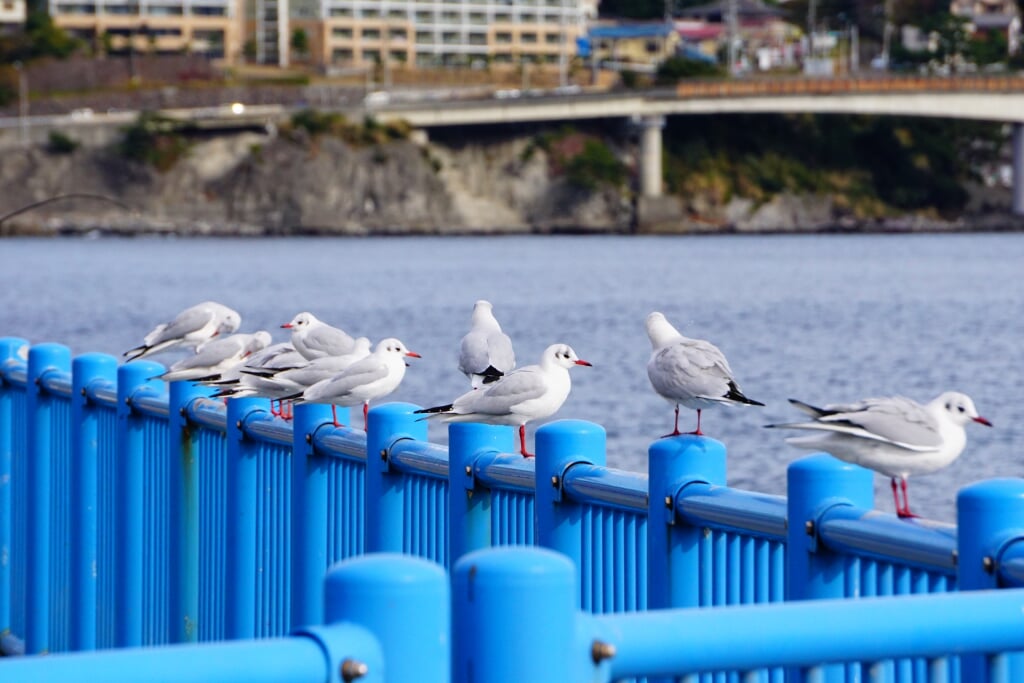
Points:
[[477, 18], [528, 38], [424, 17], [371, 34], [424, 38], [369, 13], [502, 58], [398, 56], [477, 38], [345, 33], [397, 14], [500, 17], [450, 38], [451, 17], [651, 46], [341, 54], [341, 12], [528, 18], [164, 11], [371, 56], [397, 34], [503, 38], [209, 10], [552, 38]]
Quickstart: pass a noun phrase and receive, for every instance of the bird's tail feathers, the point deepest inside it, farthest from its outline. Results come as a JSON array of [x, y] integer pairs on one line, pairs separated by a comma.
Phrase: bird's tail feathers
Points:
[[808, 408], [736, 395], [436, 410]]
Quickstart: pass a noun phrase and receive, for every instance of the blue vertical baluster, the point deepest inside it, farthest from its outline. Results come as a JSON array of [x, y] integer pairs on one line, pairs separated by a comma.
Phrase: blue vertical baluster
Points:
[[469, 505], [240, 597], [817, 483], [413, 630], [42, 359], [131, 377], [9, 347], [86, 370], [309, 515], [388, 423], [514, 617], [990, 515], [184, 514], [673, 548], [560, 445]]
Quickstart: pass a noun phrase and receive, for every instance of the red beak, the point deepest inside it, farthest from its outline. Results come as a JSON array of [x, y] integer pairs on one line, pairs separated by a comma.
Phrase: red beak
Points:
[[583, 362], [982, 420], [413, 354], [287, 326]]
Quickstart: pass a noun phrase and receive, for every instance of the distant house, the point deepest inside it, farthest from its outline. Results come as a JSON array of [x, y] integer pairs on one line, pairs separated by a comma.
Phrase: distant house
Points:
[[638, 46], [991, 16], [764, 38]]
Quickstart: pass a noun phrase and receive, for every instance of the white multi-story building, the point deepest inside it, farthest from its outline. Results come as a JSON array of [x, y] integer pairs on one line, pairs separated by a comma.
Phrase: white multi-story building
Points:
[[452, 32]]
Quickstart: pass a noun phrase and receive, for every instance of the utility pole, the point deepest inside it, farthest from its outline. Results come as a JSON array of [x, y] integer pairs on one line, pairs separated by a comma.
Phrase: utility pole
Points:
[[563, 58], [811, 21], [22, 102], [733, 21]]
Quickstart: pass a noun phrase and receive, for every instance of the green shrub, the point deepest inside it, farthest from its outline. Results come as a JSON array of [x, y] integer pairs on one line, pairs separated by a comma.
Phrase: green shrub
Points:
[[675, 69], [59, 143], [153, 140], [596, 165]]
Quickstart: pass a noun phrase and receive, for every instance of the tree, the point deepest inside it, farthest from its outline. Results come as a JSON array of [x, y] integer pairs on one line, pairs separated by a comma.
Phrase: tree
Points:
[[300, 42], [674, 69]]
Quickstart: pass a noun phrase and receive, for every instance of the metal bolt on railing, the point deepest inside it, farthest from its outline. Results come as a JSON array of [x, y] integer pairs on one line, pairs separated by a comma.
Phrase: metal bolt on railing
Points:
[[351, 669]]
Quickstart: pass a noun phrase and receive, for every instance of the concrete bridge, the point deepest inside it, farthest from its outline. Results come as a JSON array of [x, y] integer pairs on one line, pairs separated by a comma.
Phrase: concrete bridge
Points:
[[984, 98]]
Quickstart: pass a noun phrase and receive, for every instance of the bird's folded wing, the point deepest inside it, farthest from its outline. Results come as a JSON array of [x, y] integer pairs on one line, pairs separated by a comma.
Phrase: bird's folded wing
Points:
[[898, 420], [500, 397], [356, 375], [856, 432], [331, 339], [187, 321]]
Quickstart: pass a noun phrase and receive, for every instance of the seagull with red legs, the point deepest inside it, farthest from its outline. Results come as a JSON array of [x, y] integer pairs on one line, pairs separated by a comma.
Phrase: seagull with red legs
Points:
[[217, 357], [190, 328], [894, 436], [369, 378], [528, 393], [689, 372], [314, 338]]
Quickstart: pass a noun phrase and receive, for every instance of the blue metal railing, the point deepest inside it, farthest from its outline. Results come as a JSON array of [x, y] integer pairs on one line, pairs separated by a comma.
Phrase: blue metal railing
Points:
[[204, 522]]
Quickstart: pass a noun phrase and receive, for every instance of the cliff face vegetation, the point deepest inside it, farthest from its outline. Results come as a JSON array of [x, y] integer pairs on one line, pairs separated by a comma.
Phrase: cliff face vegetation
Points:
[[324, 174]]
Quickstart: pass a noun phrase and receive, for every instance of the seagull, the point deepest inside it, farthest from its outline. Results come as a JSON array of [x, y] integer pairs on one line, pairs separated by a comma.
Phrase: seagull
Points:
[[217, 357], [893, 436], [529, 393], [374, 376], [190, 328], [689, 372], [485, 353], [286, 381], [316, 339]]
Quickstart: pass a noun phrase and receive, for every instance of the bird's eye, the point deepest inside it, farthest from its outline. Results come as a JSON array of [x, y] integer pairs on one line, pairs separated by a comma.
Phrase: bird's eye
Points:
[[961, 408], [949, 406]]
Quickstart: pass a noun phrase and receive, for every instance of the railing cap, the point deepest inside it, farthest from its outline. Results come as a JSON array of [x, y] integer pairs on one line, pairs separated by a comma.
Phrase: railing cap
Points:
[[991, 492], [537, 566]]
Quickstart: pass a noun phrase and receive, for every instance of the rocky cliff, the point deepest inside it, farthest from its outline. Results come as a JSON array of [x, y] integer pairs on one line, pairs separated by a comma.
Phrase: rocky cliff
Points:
[[260, 184], [298, 183]]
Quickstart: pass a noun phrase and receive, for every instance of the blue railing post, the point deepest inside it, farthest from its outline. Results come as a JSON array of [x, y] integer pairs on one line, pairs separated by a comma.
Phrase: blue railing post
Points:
[[388, 423], [514, 617], [86, 370], [240, 598], [9, 350], [469, 505], [131, 445], [42, 359], [183, 615], [817, 483], [990, 516], [404, 602], [560, 445], [673, 557], [309, 515]]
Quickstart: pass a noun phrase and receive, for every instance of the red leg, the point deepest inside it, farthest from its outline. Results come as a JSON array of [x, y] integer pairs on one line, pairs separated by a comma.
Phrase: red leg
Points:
[[675, 430], [366, 414], [906, 500], [522, 442], [287, 410], [275, 413], [896, 496], [334, 414], [697, 432]]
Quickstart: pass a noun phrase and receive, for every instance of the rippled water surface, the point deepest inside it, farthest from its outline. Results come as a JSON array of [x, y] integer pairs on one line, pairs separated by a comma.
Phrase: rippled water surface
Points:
[[822, 318]]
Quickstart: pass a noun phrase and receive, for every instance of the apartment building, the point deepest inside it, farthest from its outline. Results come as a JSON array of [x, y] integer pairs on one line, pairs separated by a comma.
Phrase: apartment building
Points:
[[12, 15], [423, 33], [210, 27], [345, 33]]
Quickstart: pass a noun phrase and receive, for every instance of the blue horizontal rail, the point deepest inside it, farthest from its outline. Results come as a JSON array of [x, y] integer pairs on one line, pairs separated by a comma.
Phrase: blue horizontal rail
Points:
[[201, 520]]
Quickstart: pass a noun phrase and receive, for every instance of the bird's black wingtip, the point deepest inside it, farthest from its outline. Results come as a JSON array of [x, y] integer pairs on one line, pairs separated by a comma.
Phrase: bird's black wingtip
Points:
[[434, 410]]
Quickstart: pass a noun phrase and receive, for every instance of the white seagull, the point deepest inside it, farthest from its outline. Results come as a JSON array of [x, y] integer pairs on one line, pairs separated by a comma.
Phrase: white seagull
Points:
[[894, 436], [485, 353], [190, 328], [689, 372], [217, 357], [374, 376], [529, 393], [314, 338]]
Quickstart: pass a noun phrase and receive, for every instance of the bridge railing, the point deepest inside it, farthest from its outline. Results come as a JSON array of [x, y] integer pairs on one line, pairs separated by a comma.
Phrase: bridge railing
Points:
[[830, 86], [170, 518]]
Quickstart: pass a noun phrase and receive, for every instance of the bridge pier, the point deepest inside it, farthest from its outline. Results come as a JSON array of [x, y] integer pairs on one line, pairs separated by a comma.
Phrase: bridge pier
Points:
[[1018, 169], [650, 155]]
